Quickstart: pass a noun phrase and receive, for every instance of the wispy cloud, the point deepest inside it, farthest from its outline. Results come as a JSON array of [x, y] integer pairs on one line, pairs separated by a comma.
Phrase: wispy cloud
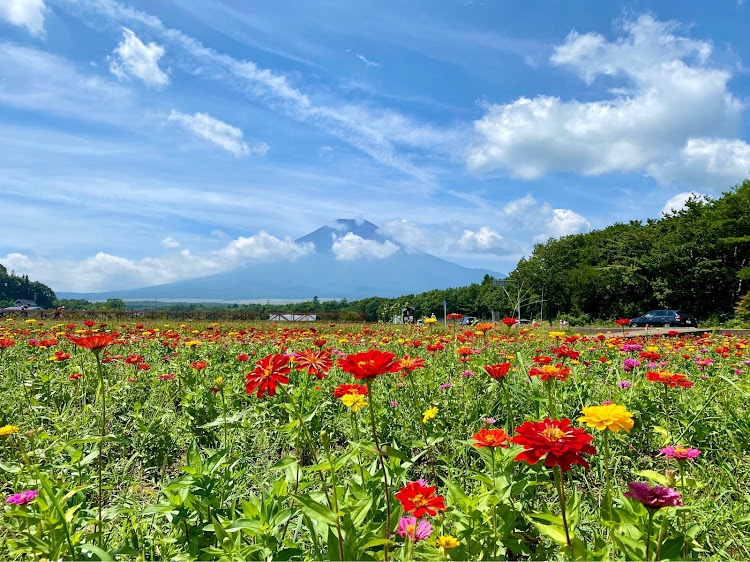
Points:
[[384, 135], [368, 62], [221, 134]]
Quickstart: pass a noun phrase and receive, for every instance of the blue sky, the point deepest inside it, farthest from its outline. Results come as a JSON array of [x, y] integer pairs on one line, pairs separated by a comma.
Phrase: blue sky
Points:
[[151, 141]]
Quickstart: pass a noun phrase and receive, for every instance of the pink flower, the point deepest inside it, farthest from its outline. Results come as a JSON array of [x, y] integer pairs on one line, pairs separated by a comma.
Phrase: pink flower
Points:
[[168, 377], [415, 531], [23, 498], [653, 498], [680, 453]]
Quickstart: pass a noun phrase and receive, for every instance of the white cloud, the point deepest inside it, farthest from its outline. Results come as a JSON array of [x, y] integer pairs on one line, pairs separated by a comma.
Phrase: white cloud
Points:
[[364, 59], [351, 247], [543, 220], [677, 202], [411, 234], [706, 162], [170, 242], [105, 271], [133, 58], [668, 95], [221, 134], [24, 13], [483, 241]]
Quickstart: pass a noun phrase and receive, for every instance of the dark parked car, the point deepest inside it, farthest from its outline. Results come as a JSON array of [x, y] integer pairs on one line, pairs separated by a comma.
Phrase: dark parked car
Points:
[[666, 318]]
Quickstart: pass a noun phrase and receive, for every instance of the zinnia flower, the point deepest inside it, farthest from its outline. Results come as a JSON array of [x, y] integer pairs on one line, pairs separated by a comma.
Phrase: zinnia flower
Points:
[[199, 365], [668, 378], [23, 498], [410, 363], [555, 440], [550, 372], [270, 371], [344, 389], [447, 542], [369, 364], [491, 438], [95, 343], [354, 401], [420, 499], [611, 416], [8, 430], [416, 531], [429, 414], [497, 371], [653, 498], [316, 362], [680, 453]]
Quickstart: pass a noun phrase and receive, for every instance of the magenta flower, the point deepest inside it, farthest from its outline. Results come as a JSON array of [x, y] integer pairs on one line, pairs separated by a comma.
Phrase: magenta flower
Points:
[[23, 498], [624, 384], [680, 453], [416, 531], [167, 377], [653, 497]]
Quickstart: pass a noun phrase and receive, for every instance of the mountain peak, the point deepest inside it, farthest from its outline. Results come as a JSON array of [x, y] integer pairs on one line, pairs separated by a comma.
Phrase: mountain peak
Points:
[[325, 235]]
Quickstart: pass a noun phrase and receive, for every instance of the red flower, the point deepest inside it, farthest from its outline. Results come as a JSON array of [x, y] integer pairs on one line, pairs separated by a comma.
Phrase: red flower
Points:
[[320, 343], [671, 379], [550, 372], [97, 342], [563, 445], [491, 438], [316, 362], [75, 376], [89, 323], [199, 365], [270, 371], [509, 321], [344, 389], [543, 360], [420, 499], [369, 364], [144, 367], [497, 371], [243, 357], [622, 321], [454, 316], [134, 359]]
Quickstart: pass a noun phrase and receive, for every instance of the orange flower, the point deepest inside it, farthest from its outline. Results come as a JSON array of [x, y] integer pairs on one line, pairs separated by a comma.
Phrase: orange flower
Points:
[[410, 363], [550, 372], [491, 438], [668, 378], [316, 362]]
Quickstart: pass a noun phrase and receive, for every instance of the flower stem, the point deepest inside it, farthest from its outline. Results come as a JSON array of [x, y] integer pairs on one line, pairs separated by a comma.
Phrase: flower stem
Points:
[[550, 399], [681, 464], [382, 467], [494, 506], [327, 446], [561, 496], [103, 392], [648, 531]]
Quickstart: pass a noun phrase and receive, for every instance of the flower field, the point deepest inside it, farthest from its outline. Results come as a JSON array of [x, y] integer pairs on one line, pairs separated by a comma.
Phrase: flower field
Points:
[[188, 441]]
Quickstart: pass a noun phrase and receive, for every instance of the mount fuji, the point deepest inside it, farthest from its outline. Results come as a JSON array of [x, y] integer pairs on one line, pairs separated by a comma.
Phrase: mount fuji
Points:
[[351, 259]]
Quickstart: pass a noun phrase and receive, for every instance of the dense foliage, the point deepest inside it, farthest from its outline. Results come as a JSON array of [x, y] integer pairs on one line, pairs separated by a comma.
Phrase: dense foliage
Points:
[[14, 287], [696, 259], [262, 442]]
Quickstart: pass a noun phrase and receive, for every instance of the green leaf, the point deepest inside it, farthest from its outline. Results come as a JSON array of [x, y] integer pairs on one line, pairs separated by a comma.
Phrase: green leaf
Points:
[[93, 552], [246, 524], [655, 476], [283, 463], [316, 511]]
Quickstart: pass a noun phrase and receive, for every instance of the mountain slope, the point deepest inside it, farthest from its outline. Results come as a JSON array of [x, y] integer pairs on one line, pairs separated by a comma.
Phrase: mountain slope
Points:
[[319, 274]]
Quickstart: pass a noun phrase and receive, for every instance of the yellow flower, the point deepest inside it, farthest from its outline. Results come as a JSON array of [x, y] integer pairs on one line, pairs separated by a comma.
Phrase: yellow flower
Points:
[[343, 340], [8, 430], [612, 416], [429, 414], [430, 320], [219, 382], [354, 401], [447, 542], [557, 334], [193, 343]]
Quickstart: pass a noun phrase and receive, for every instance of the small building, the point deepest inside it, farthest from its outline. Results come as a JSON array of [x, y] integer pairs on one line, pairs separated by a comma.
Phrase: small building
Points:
[[24, 304]]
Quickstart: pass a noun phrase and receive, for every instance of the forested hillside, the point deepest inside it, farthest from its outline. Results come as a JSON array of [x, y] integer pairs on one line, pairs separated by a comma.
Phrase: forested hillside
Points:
[[696, 259], [14, 287]]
